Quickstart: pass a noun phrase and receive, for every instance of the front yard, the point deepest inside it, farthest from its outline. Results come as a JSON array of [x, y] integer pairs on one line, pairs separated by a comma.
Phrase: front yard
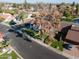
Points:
[[6, 52], [9, 55]]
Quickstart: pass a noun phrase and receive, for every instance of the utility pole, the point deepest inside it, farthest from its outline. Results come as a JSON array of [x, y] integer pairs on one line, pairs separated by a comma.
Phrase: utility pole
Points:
[[50, 6], [25, 4]]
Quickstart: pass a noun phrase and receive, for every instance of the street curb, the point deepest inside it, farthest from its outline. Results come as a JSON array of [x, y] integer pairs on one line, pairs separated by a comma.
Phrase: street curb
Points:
[[51, 48], [5, 24], [16, 52]]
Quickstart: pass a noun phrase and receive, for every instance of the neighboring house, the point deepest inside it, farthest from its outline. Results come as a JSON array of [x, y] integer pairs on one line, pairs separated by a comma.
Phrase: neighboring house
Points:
[[7, 17], [8, 7]]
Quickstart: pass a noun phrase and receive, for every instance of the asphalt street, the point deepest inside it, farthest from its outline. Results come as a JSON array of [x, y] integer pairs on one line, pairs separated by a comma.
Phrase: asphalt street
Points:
[[30, 49]]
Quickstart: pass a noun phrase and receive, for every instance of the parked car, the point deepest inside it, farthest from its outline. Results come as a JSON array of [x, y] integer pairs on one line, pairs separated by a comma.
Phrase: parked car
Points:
[[14, 28], [28, 25], [11, 30], [12, 22], [19, 33], [76, 21]]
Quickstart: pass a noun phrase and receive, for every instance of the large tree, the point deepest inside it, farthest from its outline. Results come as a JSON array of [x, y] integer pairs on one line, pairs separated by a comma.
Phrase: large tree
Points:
[[77, 9], [50, 6], [73, 4]]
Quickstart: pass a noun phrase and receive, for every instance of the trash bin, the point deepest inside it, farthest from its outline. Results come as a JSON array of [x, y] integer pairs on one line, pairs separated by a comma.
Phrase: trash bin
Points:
[[68, 46]]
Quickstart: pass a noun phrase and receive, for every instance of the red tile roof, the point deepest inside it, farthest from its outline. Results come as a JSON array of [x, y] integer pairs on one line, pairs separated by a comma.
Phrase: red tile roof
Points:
[[1, 35], [73, 33]]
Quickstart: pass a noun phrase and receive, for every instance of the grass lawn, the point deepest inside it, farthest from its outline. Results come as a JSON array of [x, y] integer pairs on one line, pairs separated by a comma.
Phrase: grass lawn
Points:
[[12, 54]]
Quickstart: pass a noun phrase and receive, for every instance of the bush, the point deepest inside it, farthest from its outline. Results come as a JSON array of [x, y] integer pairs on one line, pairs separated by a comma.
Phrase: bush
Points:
[[23, 15], [58, 45], [12, 12], [69, 19], [1, 10], [29, 32], [38, 36]]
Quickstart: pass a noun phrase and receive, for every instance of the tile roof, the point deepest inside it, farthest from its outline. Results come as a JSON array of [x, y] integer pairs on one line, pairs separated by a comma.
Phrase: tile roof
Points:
[[6, 15], [72, 34]]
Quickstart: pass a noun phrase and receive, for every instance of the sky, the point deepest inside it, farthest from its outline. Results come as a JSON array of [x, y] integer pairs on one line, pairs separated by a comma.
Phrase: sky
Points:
[[37, 1]]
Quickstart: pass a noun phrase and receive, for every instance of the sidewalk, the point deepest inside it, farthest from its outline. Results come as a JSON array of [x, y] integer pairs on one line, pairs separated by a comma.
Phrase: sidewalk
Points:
[[74, 52]]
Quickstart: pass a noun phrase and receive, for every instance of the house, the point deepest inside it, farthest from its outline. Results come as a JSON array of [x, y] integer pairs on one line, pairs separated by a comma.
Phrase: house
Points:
[[72, 35], [7, 17], [8, 7]]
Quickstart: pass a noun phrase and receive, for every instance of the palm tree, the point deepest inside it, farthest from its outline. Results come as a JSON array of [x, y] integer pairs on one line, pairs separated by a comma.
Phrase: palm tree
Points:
[[50, 6], [21, 15]]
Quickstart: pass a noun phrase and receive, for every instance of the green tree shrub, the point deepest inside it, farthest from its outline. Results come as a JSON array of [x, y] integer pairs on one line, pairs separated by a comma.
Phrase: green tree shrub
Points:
[[58, 45]]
